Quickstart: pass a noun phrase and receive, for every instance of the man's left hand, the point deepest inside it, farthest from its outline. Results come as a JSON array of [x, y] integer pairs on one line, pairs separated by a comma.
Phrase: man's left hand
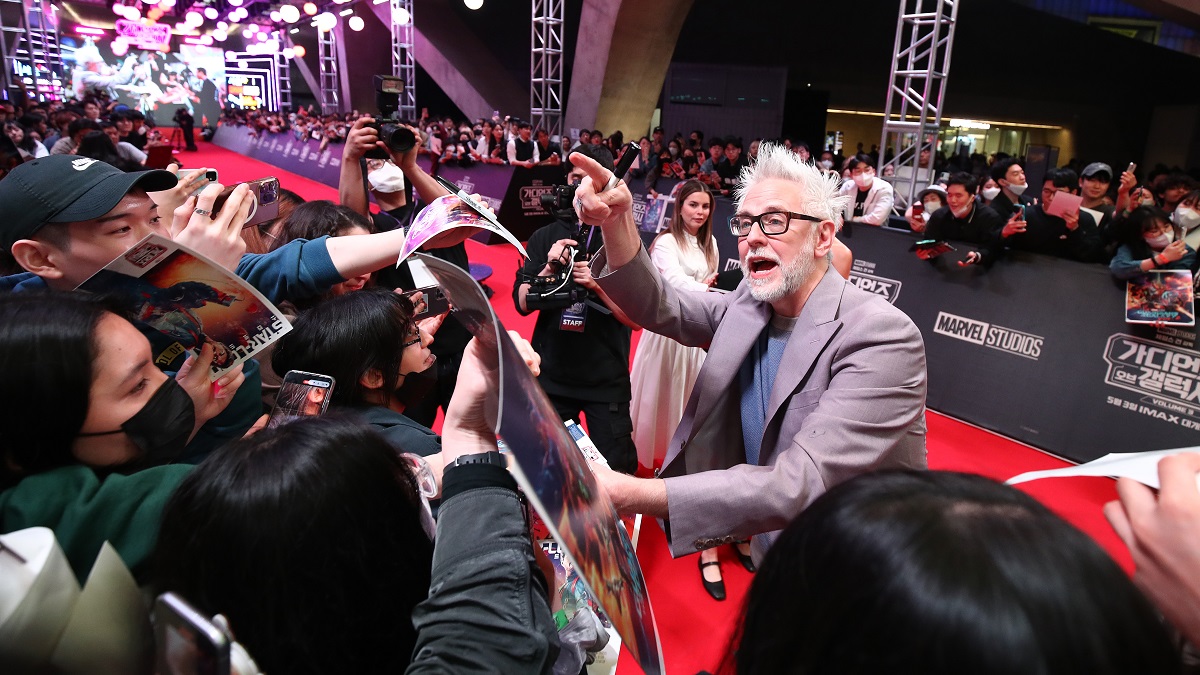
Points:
[[1072, 219]]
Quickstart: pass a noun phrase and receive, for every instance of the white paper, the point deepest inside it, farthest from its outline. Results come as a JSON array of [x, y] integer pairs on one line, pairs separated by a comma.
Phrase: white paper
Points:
[[1140, 466], [1064, 202], [1096, 215]]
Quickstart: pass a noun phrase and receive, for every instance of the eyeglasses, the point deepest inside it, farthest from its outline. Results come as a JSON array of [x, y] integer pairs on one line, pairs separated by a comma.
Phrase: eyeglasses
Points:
[[772, 222], [416, 337]]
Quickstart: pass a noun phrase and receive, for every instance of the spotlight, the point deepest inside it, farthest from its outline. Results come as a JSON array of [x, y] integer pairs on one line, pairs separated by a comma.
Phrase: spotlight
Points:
[[206, 40], [253, 28], [299, 51], [346, 12], [235, 3], [149, 2], [193, 18], [401, 16], [326, 21], [220, 35], [230, 55], [356, 23], [310, 9], [210, 13], [166, 3], [221, 25], [288, 52], [261, 37], [473, 4], [275, 16], [289, 13]]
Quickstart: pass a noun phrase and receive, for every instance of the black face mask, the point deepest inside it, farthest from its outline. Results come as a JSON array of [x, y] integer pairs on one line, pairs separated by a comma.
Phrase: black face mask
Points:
[[416, 386], [162, 427]]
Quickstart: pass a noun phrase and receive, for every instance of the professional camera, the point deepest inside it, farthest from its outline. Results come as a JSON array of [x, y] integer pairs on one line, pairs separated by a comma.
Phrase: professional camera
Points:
[[397, 138], [559, 290], [558, 201]]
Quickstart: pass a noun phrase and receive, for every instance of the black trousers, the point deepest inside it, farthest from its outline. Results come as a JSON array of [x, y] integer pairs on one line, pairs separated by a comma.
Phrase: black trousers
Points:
[[609, 427]]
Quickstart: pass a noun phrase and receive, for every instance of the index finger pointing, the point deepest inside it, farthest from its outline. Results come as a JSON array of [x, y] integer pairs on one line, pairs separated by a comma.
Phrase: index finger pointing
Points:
[[591, 167]]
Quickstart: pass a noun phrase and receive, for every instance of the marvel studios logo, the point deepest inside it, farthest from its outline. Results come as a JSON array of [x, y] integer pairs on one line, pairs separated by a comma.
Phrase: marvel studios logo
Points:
[[1019, 343]]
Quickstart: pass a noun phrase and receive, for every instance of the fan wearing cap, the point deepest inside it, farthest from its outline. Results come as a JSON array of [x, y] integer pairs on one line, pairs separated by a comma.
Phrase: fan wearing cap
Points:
[[1094, 182], [931, 199]]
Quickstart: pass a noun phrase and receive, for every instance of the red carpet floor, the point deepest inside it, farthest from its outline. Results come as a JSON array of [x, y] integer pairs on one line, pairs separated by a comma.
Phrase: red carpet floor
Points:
[[695, 629]]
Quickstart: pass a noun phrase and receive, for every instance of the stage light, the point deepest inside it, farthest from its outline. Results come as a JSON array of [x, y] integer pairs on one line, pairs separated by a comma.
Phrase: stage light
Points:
[[247, 33], [243, 65], [270, 46], [299, 51], [253, 28], [193, 18], [82, 30], [168, 4], [261, 37], [275, 16], [220, 35], [154, 14], [289, 13], [221, 25], [230, 55], [288, 52], [473, 4], [211, 13], [149, 2], [310, 8], [119, 48], [356, 23], [235, 3], [401, 16], [346, 12], [206, 40], [326, 21]]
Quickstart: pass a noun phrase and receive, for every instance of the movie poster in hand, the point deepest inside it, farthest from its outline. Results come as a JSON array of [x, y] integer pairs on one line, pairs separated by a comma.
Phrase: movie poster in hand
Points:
[[446, 213], [557, 479], [1161, 297], [191, 300]]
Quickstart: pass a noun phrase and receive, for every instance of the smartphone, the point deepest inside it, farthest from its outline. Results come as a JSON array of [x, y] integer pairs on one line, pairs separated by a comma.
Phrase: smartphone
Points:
[[210, 175], [1019, 209], [1132, 166], [918, 209], [187, 642], [436, 302], [301, 395], [266, 200]]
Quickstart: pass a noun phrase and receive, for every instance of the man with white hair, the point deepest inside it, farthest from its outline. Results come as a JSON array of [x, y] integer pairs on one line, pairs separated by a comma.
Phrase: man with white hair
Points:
[[808, 381], [93, 75]]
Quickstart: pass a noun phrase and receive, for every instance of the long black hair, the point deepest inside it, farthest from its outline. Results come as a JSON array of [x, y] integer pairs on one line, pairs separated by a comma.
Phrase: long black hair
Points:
[[936, 572], [1128, 229], [47, 346], [320, 218], [347, 336], [308, 538]]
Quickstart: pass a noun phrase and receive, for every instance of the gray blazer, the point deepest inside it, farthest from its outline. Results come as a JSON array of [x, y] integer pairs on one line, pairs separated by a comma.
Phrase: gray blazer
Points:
[[849, 398]]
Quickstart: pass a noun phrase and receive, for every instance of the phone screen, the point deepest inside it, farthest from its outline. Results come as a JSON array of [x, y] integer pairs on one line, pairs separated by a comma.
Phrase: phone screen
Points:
[[301, 395]]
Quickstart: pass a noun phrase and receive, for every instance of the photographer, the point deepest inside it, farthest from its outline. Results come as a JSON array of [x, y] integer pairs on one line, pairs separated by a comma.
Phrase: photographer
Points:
[[584, 343], [186, 123]]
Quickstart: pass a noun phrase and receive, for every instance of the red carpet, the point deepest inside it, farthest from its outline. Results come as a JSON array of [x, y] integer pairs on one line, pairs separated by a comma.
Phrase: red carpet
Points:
[[694, 628]]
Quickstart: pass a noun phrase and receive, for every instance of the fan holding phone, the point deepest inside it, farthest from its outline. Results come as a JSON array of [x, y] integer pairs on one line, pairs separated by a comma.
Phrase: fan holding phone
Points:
[[966, 221]]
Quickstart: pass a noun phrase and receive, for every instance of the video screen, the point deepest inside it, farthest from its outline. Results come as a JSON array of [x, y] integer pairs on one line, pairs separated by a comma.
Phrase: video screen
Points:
[[246, 92], [153, 72]]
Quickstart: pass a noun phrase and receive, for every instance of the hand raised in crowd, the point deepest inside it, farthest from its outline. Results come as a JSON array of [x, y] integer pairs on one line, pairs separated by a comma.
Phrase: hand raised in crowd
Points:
[[1128, 180], [408, 159], [360, 140], [169, 200], [208, 398], [1163, 535], [216, 236], [1015, 225], [1175, 251], [471, 416], [1072, 219]]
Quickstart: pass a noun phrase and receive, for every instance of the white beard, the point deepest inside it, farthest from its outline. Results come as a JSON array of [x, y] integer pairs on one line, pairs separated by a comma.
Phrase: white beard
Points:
[[793, 275]]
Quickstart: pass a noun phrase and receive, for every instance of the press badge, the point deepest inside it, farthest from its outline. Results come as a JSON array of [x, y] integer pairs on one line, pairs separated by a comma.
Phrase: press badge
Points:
[[574, 317]]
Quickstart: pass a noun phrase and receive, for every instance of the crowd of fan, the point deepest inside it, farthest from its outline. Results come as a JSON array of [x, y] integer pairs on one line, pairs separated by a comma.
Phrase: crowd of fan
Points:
[[309, 536]]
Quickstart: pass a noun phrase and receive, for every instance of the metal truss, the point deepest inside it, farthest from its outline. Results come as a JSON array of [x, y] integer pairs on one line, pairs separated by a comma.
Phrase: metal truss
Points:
[[403, 64], [283, 82], [546, 67], [329, 76], [913, 114], [29, 49]]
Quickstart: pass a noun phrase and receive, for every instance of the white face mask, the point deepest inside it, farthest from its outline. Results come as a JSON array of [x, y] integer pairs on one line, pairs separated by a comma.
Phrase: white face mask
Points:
[[990, 193], [826, 164], [863, 181], [387, 178], [1161, 241], [960, 213], [930, 207], [674, 151], [1186, 218], [1017, 190]]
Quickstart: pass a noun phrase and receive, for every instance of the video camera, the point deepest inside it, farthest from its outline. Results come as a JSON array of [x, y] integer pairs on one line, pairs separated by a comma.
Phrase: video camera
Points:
[[397, 138]]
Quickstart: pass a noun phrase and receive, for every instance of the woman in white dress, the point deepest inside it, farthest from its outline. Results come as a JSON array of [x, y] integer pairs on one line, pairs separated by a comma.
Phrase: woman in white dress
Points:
[[664, 370]]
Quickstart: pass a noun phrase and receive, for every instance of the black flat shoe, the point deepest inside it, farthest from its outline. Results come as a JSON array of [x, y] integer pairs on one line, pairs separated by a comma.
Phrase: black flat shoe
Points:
[[715, 588], [747, 561]]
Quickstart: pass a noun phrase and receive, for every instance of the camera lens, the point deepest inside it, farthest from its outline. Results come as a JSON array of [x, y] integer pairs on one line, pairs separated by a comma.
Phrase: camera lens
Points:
[[398, 138]]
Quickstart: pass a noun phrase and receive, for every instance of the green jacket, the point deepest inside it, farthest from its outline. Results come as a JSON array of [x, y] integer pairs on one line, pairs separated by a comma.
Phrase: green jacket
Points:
[[85, 510]]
